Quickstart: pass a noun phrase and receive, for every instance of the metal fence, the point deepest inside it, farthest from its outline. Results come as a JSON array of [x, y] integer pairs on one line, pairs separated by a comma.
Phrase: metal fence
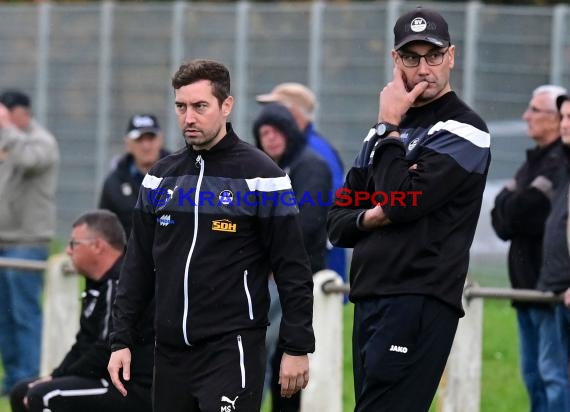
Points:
[[90, 66]]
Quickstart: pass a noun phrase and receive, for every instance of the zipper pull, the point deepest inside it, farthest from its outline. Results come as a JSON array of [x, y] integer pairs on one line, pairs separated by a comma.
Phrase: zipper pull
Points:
[[198, 161]]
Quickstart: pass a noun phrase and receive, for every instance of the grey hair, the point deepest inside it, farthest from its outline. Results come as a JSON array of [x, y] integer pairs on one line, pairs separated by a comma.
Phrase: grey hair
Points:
[[553, 92]]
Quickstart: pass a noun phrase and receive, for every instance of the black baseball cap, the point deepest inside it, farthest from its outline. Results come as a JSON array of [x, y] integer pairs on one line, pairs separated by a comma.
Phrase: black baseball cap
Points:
[[421, 25], [140, 124], [560, 100], [14, 98]]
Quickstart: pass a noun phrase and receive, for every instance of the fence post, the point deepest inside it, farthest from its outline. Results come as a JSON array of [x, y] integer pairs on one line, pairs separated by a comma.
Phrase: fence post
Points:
[[60, 312], [460, 386], [324, 391]]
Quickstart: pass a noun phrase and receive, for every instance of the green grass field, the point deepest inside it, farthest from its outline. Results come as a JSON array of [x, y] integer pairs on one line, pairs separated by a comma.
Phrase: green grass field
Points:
[[502, 388]]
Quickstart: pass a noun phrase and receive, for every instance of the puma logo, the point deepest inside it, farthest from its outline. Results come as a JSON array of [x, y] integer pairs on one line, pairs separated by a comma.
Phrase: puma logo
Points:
[[226, 408]]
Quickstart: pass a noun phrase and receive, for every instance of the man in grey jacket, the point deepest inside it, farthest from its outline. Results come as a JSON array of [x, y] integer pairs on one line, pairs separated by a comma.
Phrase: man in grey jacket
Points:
[[28, 172]]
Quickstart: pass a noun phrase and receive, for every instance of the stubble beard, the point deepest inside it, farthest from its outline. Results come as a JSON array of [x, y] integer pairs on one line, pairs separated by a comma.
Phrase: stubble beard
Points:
[[202, 140]]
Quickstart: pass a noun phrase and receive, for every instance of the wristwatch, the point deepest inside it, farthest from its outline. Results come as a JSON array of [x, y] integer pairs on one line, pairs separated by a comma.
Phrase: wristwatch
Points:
[[384, 128]]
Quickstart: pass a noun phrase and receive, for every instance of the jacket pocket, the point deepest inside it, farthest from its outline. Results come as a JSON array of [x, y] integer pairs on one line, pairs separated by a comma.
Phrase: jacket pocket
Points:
[[247, 295]]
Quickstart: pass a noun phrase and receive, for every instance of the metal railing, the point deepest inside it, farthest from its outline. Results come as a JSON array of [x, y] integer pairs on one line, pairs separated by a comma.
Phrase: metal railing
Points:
[[460, 385], [472, 291], [32, 265]]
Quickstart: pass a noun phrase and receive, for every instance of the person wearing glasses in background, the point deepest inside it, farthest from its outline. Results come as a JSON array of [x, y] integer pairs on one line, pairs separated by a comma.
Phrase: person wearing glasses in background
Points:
[[519, 215], [411, 256], [81, 382]]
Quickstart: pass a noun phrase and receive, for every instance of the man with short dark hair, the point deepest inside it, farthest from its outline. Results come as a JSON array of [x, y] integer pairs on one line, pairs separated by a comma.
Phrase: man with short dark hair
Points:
[[411, 254], [143, 146], [208, 229], [81, 381], [29, 159]]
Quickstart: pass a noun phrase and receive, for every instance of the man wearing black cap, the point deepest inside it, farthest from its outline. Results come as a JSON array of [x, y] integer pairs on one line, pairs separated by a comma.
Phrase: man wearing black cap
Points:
[[28, 172], [143, 144], [411, 253]]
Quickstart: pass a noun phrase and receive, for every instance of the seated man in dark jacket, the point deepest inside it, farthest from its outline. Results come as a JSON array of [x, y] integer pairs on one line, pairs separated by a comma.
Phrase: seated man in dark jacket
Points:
[[277, 134], [81, 382]]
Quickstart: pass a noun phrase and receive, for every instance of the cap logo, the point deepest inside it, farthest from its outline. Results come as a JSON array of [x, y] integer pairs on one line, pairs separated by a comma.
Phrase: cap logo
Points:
[[143, 121], [418, 24]]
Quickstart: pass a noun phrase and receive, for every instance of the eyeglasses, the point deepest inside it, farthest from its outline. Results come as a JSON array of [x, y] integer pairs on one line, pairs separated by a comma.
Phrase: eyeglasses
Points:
[[74, 242], [433, 58], [534, 109]]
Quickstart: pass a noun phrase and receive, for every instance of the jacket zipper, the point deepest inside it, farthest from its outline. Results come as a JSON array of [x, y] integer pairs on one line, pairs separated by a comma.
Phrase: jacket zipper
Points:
[[247, 294], [241, 361], [199, 163]]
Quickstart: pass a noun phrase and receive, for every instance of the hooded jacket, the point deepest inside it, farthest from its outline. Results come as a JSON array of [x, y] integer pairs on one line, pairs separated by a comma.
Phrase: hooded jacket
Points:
[[310, 177]]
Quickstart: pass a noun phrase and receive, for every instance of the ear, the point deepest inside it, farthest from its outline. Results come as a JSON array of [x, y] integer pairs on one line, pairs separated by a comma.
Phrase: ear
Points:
[[395, 56], [451, 53], [99, 246], [127, 144], [227, 106]]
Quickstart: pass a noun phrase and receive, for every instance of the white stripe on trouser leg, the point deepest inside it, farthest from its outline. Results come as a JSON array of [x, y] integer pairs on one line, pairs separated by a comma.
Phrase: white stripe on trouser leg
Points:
[[241, 364], [74, 392]]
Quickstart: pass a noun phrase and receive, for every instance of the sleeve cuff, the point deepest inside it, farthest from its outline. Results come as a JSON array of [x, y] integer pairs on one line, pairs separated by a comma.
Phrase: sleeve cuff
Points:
[[359, 219]]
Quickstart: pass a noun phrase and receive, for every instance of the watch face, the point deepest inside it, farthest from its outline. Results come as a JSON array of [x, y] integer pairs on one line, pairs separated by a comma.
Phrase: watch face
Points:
[[380, 129]]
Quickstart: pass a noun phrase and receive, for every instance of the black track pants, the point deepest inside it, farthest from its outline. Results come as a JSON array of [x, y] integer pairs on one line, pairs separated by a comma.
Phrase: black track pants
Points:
[[400, 347], [223, 375], [79, 394]]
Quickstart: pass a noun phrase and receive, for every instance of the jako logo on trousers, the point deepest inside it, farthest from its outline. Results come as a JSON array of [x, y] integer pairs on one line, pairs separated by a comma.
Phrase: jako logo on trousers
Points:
[[396, 348]]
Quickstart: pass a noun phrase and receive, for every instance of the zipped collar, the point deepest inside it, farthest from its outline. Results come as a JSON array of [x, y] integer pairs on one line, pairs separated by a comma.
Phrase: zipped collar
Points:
[[226, 142], [536, 153]]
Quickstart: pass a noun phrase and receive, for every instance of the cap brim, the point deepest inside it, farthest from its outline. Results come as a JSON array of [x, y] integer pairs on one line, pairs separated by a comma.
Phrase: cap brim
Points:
[[267, 98], [136, 133], [424, 38]]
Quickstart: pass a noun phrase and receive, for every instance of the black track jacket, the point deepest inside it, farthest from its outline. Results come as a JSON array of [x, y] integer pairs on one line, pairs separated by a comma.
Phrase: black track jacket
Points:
[[90, 353], [519, 215], [425, 250], [208, 229], [121, 190]]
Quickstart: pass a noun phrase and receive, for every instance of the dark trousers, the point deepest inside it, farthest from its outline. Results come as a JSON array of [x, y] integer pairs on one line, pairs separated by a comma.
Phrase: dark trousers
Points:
[[279, 404], [222, 375], [79, 394], [400, 347]]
